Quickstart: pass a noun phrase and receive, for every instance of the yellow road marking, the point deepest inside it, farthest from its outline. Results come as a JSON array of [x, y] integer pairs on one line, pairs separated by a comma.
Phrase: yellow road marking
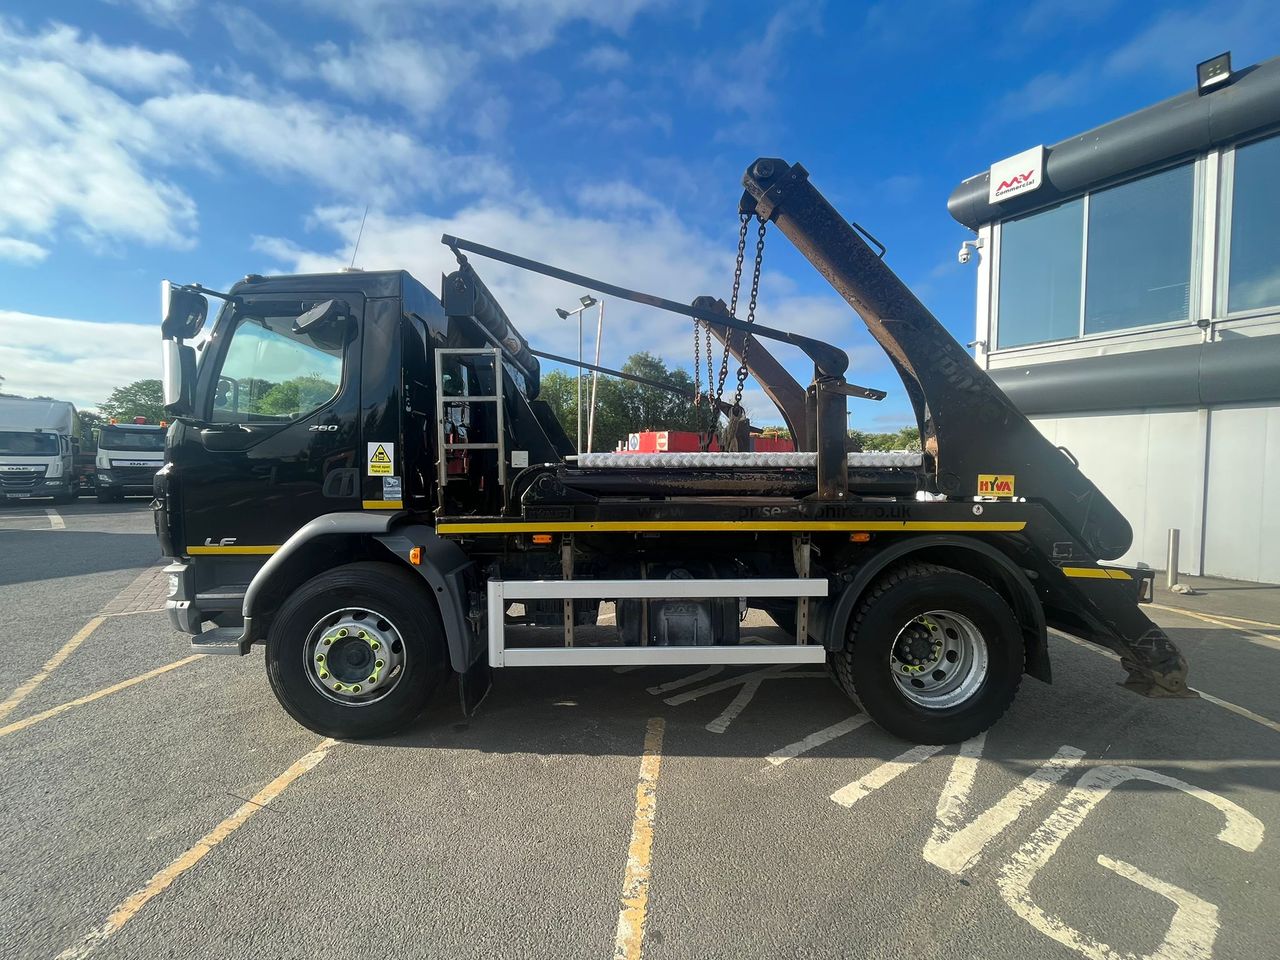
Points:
[[1095, 573], [129, 908], [1262, 639], [731, 526], [258, 549], [50, 665], [635, 880], [35, 718]]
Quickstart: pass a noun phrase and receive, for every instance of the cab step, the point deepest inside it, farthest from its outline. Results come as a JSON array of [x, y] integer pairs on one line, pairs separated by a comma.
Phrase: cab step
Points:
[[224, 641]]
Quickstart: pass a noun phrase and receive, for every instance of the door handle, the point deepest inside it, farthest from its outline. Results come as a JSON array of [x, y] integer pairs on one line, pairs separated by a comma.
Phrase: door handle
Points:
[[341, 482]]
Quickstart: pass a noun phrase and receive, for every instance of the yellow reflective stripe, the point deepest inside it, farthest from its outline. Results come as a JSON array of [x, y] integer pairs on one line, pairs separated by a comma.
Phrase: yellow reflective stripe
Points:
[[734, 526], [1096, 573], [259, 549], [383, 504]]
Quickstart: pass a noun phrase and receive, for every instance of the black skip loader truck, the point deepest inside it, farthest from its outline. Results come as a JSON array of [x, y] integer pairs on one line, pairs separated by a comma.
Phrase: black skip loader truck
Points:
[[362, 476]]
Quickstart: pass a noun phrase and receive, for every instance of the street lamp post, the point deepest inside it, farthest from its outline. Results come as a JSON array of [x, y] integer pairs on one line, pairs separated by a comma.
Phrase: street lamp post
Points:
[[587, 301]]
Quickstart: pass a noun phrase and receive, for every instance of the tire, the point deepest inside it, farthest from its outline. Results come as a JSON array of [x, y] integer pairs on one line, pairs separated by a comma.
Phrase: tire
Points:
[[934, 603], [395, 597]]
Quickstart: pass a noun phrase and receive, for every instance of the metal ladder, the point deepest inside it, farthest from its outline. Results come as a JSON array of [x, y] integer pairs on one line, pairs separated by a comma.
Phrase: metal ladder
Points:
[[443, 448]]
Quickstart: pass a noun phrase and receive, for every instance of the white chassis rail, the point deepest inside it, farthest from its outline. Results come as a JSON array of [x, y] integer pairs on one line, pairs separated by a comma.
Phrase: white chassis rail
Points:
[[503, 591]]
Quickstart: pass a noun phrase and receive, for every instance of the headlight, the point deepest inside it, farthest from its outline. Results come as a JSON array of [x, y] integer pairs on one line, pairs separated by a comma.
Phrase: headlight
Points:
[[104, 476]]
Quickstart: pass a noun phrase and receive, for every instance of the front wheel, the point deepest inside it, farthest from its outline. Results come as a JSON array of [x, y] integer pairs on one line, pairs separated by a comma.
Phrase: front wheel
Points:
[[933, 655], [356, 652]]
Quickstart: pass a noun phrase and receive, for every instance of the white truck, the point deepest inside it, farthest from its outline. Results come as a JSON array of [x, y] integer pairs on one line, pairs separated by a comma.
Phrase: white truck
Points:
[[38, 443], [129, 454]]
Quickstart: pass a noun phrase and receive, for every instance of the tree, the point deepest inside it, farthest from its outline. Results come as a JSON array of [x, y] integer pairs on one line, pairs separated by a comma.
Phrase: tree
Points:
[[89, 424], [623, 406], [908, 438], [295, 396], [142, 398]]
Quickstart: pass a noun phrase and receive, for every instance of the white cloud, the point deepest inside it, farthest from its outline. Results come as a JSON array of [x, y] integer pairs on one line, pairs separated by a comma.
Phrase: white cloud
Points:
[[74, 360], [163, 12], [606, 57], [21, 251], [642, 247], [124, 68], [74, 151]]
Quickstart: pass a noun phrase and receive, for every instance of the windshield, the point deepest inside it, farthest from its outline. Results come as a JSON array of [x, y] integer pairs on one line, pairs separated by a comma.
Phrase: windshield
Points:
[[116, 439], [13, 443], [269, 372]]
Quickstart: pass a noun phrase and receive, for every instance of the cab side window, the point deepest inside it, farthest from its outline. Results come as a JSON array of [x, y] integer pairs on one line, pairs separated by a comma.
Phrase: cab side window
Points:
[[270, 373]]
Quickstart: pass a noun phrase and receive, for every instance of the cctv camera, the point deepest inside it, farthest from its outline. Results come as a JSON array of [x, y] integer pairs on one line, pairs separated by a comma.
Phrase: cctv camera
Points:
[[967, 248]]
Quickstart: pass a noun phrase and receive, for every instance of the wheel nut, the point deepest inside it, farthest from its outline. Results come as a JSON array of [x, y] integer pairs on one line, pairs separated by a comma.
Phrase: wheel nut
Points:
[[324, 674], [337, 686], [373, 679], [378, 664], [355, 688], [374, 644], [319, 658]]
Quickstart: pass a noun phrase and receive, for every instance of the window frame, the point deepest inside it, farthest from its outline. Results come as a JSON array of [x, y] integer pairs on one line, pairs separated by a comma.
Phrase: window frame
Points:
[[212, 361], [1226, 205], [1199, 191]]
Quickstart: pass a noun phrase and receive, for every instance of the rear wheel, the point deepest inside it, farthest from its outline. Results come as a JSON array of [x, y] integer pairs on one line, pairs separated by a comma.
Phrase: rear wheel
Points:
[[933, 655], [356, 652]]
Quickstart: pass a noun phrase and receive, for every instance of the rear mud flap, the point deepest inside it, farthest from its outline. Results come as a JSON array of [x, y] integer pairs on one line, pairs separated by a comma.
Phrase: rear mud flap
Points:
[[474, 686]]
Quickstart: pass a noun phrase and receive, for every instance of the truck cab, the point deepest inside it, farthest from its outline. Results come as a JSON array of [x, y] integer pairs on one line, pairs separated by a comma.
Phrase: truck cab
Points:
[[38, 443], [128, 457]]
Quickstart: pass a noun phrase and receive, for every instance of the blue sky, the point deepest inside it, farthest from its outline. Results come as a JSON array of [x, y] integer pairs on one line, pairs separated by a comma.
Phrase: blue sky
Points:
[[142, 139]]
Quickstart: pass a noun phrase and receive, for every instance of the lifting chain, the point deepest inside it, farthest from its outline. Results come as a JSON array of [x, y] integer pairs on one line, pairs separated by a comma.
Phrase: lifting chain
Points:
[[751, 316], [733, 308]]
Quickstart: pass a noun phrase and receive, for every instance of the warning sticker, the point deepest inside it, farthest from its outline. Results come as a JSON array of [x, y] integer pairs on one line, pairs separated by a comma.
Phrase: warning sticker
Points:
[[381, 459], [391, 489], [995, 484]]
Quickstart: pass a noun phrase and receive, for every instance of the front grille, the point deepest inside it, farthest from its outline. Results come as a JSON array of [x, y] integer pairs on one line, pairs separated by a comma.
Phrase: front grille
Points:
[[19, 481], [135, 475]]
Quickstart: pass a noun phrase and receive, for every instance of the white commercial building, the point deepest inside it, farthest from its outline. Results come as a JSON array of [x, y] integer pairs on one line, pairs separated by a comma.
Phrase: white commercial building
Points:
[[1129, 304]]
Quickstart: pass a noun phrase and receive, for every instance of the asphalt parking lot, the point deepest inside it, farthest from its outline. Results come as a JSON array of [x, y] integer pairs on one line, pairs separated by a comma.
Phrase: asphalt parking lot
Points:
[[159, 804]]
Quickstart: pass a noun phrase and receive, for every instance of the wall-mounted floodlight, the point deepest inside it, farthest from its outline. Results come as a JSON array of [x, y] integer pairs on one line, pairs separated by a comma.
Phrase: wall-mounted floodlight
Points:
[[1213, 73], [587, 301]]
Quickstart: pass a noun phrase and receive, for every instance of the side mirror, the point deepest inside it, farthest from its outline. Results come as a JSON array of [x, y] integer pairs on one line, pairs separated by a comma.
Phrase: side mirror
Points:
[[182, 312], [179, 378], [326, 323]]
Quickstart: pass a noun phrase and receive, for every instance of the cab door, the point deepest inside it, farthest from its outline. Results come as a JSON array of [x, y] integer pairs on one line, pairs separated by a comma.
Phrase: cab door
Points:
[[274, 442]]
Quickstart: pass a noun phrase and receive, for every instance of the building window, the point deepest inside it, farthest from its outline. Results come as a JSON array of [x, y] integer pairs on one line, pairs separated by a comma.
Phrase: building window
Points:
[[1039, 296], [1254, 268], [1139, 262]]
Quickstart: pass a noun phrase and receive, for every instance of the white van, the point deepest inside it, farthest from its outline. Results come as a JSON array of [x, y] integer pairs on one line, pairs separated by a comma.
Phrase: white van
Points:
[[38, 443]]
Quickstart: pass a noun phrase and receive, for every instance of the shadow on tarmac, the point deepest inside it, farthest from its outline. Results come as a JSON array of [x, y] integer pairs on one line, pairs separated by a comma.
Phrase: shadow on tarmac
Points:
[[596, 711], [31, 555]]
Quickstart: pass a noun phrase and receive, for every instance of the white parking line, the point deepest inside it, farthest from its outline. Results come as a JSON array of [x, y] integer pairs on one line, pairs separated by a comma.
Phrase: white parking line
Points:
[[55, 520], [1225, 704], [848, 795], [815, 740]]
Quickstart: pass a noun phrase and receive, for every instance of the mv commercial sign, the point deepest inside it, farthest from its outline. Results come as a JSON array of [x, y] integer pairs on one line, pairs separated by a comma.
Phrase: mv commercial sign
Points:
[[1018, 174]]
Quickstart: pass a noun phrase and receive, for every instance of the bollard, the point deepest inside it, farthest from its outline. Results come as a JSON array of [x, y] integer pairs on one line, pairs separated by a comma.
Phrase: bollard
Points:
[[1171, 565]]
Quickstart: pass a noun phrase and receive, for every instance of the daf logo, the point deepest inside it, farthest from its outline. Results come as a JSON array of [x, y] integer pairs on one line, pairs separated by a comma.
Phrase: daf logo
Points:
[[224, 542]]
